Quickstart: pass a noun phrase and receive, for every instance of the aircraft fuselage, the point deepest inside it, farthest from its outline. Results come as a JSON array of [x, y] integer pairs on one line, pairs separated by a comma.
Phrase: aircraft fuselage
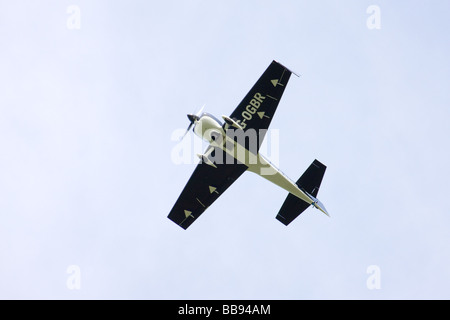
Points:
[[210, 129]]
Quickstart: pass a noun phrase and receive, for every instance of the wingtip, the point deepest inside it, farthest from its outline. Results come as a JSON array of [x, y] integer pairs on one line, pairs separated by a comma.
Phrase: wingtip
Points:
[[290, 70]]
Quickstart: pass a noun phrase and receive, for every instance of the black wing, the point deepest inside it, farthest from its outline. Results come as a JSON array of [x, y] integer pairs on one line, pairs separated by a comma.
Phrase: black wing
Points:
[[210, 179], [256, 110]]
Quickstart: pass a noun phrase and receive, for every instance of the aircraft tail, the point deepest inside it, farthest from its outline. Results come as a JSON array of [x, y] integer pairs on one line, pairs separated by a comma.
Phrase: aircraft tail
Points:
[[309, 182]]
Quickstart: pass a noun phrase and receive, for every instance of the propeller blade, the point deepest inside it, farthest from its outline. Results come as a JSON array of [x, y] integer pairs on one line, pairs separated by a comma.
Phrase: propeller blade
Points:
[[187, 130], [199, 112], [192, 118]]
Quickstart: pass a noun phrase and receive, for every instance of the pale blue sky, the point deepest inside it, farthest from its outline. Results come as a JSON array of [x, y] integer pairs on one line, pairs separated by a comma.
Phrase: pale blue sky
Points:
[[86, 178]]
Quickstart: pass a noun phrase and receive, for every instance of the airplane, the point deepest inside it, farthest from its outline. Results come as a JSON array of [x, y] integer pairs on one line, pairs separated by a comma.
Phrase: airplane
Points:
[[234, 149]]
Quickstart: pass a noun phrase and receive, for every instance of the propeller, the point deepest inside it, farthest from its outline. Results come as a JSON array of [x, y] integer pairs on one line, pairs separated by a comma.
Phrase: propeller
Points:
[[193, 118]]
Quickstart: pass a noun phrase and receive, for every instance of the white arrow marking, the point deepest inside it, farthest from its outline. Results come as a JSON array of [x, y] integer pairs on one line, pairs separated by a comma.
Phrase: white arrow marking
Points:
[[187, 213], [262, 114], [212, 189]]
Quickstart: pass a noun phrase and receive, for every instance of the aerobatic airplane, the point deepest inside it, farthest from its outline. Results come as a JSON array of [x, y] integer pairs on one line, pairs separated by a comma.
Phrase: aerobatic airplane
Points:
[[234, 148]]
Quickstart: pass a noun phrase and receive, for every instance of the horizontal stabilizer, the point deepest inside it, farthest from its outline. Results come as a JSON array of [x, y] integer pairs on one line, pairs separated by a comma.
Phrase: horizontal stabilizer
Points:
[[310, 183], [312, 178], [291, 209]]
